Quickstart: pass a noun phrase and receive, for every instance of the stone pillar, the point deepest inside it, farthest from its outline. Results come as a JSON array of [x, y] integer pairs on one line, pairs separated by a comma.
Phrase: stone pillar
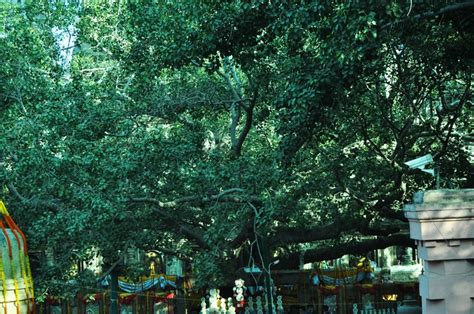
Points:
[[442, 225]]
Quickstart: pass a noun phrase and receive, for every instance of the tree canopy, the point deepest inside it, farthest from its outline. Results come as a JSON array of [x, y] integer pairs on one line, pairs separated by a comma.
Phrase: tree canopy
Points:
[[205, 128]]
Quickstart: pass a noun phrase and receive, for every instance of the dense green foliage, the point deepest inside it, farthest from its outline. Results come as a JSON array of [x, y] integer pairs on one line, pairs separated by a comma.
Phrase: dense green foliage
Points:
[[196, 126]]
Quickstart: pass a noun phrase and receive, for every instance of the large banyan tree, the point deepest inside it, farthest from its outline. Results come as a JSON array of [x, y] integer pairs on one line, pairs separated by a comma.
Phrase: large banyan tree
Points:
[[229, 132]]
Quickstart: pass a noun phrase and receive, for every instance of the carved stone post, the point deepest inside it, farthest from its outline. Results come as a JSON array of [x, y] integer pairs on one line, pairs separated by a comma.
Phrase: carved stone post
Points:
[[442, 225]]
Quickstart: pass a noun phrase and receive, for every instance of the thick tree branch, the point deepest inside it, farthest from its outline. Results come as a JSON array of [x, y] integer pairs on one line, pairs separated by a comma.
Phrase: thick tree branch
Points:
[[34, 201], [329, 231], [384, 209], [453, 119], [237, 148], [401, 147], [194, 234], [244, 234], [355, 248], [235, 108], [359, 247], [185, 228], [222, 197], [301, 235], [110, 269], [447, 9], [235, 114], [370, 144], [235, 91]]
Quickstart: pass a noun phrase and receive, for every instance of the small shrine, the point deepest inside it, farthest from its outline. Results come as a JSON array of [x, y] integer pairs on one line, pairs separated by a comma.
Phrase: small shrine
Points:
[[17, 293]]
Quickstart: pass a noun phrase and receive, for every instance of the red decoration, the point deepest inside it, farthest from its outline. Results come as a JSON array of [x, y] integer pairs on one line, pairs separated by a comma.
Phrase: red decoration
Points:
[[329, 289], [128, 299]]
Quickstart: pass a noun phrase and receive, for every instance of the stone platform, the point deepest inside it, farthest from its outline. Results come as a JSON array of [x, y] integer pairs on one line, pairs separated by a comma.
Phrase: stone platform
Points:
[[442, 225]]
